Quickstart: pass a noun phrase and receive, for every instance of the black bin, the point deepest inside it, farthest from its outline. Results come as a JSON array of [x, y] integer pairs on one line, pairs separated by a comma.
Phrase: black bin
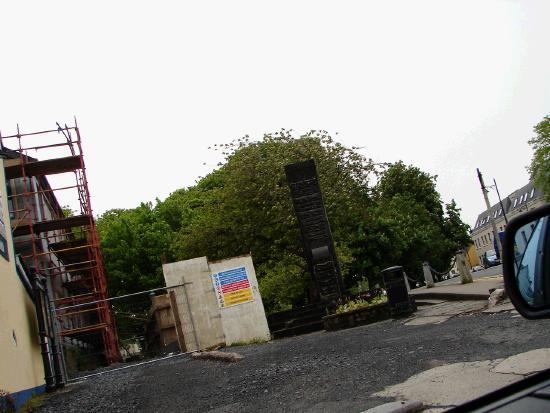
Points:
[[396, 288]]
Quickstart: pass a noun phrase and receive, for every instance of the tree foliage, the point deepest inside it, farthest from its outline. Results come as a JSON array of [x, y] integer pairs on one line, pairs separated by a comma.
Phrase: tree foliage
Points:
[[407, 226], [456, 230], [540, 164], [133, 242], [380, 215]]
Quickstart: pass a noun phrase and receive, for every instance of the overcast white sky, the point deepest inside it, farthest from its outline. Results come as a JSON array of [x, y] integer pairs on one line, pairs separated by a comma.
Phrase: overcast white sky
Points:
[[446, 86]]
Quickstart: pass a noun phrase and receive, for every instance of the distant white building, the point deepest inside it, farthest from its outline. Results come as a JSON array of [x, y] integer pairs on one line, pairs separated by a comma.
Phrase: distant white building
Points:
[[518, 202]]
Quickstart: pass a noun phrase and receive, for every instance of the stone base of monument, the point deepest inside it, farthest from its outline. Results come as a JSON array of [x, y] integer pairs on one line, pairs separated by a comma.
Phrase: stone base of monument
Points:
[[307, 319], [301, 320], [368, 315], [357, 317]]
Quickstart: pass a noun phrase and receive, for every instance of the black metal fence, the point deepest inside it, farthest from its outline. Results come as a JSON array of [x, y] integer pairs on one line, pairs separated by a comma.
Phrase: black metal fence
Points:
[[145, 327]]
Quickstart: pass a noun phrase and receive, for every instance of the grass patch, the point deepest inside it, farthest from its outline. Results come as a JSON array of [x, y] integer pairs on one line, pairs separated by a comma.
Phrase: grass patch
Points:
[[256, 340], [32, 404], [7, 402]]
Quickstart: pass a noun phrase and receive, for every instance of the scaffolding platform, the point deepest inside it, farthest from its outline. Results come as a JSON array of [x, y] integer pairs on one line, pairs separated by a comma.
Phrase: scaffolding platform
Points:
[[46, 167], [52, 225]]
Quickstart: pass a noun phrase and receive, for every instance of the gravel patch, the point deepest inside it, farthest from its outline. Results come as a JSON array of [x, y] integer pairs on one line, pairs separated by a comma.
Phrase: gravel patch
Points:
[[319, 372]]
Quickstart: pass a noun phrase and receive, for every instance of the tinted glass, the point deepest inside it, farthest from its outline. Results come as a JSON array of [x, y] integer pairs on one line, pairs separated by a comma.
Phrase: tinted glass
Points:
[[528, 262]]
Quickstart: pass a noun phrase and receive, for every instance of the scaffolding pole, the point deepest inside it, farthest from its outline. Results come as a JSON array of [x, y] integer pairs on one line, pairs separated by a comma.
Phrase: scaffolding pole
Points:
[[43, 234]]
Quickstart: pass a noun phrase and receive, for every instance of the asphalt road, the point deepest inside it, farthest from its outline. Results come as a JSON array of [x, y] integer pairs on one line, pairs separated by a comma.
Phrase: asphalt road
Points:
[[497, 270], [489, 272], [320, 372]]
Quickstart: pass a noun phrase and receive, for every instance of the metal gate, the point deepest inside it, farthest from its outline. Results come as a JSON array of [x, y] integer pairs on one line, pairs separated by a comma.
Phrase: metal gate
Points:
[[147, 325]]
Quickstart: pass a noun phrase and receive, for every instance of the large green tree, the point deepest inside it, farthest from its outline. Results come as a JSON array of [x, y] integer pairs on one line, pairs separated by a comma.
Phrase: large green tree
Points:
[[250, 209], [407, 225], [540, 164]]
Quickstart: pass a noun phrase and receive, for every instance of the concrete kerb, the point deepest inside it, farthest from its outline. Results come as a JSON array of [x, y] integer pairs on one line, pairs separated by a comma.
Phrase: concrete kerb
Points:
[[447, 296], [400, 406]]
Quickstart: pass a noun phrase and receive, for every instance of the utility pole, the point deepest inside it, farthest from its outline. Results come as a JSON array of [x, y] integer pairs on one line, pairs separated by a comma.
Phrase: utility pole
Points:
[[491, 219]]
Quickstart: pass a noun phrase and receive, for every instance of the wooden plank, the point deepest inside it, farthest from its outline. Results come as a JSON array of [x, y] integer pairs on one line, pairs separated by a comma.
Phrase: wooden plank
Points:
[[52, 225], [46, 167], [177, 322], [82, 330]]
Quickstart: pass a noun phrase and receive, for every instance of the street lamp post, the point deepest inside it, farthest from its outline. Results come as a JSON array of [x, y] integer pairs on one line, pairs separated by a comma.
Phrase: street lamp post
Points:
[[500, 200], [486, 196]]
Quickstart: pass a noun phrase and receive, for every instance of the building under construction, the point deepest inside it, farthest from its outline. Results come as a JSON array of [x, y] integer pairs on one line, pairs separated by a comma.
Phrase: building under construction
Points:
[[56, 242]]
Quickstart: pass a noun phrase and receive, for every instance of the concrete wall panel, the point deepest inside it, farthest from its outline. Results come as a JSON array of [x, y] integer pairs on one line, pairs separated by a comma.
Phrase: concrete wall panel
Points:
[[197, 305], [204, 323]]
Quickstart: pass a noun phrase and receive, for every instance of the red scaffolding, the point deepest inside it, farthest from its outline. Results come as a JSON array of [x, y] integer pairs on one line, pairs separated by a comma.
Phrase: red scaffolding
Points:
[[52, 242]]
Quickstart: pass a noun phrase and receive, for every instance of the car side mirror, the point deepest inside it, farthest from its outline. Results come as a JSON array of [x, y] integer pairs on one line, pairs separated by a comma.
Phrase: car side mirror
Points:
[[526, 262]]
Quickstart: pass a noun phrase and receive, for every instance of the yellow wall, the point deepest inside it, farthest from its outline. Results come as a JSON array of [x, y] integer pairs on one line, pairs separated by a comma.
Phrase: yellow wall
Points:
[[20, 360], [472, 256]]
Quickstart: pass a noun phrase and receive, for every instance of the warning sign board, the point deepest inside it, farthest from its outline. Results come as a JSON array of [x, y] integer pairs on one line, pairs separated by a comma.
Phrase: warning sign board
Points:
[[232, 287]]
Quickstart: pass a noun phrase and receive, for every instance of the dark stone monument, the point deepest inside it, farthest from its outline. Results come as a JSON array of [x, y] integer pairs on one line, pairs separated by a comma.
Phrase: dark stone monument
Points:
[[314, 227]]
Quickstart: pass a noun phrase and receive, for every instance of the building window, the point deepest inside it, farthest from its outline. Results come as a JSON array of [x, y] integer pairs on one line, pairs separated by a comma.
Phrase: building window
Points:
[[532, 193], [515, 202], [500, 212], [495, 214]]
